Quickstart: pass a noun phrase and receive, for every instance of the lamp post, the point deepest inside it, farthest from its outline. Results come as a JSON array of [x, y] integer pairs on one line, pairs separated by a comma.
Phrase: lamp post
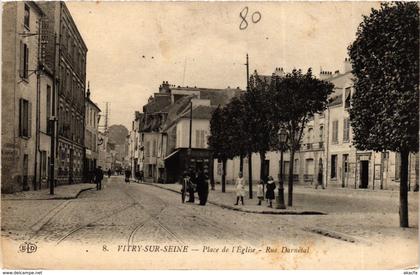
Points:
[[280, 197]]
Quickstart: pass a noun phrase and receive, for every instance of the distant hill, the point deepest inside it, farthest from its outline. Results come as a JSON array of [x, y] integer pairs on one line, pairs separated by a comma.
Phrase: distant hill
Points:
[[117, 134]]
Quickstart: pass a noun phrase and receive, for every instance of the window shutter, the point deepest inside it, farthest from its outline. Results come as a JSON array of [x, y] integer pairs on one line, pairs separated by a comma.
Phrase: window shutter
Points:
[[22, 60], [20, 117], [29, 119], [26, 61]]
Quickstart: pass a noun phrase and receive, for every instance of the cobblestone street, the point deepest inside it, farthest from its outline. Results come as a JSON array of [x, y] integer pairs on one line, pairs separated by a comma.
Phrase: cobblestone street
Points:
[[133, 214]]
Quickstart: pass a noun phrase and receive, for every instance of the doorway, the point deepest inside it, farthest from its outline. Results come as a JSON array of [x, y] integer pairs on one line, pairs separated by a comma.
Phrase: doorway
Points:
[[364, 174]]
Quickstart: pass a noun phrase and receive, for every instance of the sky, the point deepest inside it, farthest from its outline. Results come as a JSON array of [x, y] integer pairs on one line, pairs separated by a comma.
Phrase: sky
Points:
[[134, 46]]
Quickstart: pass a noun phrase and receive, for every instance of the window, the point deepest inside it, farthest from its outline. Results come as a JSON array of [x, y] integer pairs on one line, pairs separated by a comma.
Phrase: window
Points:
[[346, 130], [309, 135], [44, 164], [25, 118], [48, 108], [347, 98], [333, 166], [335, 131], [309, 167], [26, 18], [147, 148], [200, 138], [154, 148], [24, 57], [321, 133], [296, 167], [346, 163]]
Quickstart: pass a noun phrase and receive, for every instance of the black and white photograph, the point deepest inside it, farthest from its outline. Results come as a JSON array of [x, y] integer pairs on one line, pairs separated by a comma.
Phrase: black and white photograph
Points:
[[210, 135]]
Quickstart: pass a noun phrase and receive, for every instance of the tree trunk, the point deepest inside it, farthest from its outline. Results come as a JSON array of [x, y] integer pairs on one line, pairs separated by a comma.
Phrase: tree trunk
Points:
[[404, 189], [290, 183], [250, 174], [241, 163], [263, 176], [224, 175]]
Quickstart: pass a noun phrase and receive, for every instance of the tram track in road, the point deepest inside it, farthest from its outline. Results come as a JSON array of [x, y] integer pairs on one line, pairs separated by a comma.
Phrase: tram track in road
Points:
[[218, 229], [152, 217]]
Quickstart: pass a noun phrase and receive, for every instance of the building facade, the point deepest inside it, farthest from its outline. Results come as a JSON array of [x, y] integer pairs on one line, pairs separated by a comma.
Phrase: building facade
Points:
[[69, 64], [328, 140], [159, 138], [91, 136], [27, 99]]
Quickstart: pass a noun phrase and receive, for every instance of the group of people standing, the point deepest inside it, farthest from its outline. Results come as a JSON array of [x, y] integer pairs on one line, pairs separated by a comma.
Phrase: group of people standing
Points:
[[269, 192], [197, 181]]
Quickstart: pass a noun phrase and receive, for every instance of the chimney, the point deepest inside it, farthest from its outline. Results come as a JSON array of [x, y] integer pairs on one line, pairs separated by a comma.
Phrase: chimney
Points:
[[165, 87], [325, 75], [347, 65], [279, 72]]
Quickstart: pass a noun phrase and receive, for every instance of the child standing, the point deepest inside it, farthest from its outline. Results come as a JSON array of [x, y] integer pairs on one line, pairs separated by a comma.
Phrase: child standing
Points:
[[260, 191], [240, 189]]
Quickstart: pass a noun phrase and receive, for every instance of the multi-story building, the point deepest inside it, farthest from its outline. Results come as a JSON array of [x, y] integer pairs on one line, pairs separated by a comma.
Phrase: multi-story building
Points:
[[91, 136], [328, 140], [69, 64], [27, 98], [160, 138]]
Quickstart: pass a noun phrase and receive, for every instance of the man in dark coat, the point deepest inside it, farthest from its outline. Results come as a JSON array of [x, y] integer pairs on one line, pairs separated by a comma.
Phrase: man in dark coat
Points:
[[192, 186], [109, 173], [99, 175], [202, 187]]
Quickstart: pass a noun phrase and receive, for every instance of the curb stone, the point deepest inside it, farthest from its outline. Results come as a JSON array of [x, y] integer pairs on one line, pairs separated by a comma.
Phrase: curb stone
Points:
[[51, 198], [246, 210]]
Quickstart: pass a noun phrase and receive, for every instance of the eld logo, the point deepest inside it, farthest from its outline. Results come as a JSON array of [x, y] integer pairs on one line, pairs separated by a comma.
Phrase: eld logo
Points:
[[27, 247]]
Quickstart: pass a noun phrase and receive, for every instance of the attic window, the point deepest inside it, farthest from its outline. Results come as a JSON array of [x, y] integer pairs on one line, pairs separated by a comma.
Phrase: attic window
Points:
[[347, 97]]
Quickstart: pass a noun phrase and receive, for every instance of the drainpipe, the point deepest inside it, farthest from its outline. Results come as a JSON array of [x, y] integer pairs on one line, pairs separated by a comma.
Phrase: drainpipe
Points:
[[38, 96]]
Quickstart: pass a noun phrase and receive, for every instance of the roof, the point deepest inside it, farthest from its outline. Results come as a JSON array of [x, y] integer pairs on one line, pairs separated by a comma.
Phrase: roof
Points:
[[220, 97], [158, 103], [336, 100], [200, 112], [175, 110], [93, 103]]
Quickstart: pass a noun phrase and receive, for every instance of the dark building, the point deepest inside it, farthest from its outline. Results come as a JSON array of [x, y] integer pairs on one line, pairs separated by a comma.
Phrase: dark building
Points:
[[66, 53]]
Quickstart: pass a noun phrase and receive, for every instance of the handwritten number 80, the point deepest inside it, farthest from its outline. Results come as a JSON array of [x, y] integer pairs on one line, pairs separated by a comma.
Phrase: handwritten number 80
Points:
[[255, 18]]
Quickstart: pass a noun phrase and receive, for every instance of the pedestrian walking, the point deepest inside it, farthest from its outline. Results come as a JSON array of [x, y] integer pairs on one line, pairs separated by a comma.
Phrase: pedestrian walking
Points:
[[192, 185], [240, 188], [127, 176], [319, 177], [109, 173], [202, 187], [137, 176], [271, 186], [99, 175], [260, 192], [141, 175]]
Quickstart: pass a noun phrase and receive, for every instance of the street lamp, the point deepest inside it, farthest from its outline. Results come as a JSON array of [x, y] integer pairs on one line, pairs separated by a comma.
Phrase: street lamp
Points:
[[282, 142]]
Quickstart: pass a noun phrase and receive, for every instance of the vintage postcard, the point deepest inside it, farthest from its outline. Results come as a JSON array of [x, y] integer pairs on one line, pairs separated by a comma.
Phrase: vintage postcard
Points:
[[209, 135]]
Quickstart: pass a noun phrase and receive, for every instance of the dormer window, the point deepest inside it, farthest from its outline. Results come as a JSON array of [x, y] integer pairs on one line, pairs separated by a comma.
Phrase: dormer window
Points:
[[347, 97]]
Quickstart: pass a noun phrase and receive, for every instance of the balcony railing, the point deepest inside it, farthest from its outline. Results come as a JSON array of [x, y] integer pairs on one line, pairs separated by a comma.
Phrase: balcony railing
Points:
[[312, 146]]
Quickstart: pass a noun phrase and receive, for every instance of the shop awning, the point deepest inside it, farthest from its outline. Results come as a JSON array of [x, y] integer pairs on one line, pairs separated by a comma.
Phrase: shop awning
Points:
[[172, 154]]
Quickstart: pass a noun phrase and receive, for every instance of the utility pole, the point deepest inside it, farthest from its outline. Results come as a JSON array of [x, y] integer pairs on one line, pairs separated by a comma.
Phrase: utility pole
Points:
[[190, 137], [249, 153]]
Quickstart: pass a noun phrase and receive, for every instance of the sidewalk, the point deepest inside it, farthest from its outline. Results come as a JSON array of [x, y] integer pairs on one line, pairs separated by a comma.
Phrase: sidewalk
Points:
[[227, 200], [61, 192]]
